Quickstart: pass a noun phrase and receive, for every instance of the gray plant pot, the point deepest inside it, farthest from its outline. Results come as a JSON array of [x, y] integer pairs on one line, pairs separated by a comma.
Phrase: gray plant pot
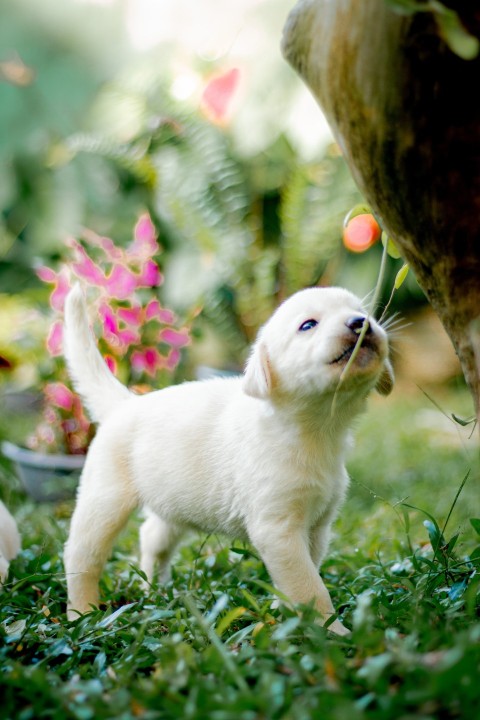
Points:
[[46, 478]]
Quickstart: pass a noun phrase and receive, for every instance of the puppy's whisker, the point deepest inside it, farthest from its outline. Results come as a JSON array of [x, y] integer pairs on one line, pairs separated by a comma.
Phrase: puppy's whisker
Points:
[[386, 322], [398, 332], [368, 297]]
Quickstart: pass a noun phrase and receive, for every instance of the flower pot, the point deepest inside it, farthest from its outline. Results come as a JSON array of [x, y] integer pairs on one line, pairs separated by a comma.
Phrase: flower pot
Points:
[[46, 478]]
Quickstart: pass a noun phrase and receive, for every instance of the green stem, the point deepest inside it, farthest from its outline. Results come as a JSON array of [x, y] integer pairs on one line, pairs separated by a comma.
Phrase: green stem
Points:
[[366, 325], [380, 279]]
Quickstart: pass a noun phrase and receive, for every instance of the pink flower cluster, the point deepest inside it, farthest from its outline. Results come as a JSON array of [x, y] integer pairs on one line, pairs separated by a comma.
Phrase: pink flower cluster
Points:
[[64, 425], [137, 335]]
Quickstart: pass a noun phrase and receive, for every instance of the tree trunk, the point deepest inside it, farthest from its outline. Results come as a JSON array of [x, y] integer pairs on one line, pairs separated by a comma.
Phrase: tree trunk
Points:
[[405, 111]]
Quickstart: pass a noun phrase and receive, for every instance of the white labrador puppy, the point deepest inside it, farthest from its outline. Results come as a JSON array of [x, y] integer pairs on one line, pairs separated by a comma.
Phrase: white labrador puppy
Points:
[[9, 541], [259, 457]]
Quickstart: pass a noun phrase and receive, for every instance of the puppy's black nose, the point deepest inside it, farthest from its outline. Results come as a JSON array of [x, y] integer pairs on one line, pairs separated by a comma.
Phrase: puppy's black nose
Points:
[[355, 324]]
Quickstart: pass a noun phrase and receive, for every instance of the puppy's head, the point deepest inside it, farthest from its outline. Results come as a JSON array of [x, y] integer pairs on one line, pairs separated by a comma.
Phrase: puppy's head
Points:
[[304, 347]]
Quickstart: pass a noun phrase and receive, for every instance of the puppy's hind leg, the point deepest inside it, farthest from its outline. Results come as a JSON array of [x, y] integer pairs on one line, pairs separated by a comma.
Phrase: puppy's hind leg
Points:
[[98, 518], [158, 540]]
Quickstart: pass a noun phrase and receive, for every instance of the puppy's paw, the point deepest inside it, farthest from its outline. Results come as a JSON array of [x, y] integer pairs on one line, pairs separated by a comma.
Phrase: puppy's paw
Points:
[[3, 569]]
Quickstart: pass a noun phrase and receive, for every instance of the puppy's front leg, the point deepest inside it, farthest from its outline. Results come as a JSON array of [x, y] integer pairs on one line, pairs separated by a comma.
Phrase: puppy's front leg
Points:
[[285, 552]]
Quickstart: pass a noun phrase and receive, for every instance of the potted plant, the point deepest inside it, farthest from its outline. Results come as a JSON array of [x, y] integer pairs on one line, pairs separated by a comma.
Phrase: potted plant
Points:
[[140, 339]]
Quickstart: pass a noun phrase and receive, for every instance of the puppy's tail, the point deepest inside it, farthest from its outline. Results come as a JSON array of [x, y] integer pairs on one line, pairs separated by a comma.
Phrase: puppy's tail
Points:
[[100, 391]]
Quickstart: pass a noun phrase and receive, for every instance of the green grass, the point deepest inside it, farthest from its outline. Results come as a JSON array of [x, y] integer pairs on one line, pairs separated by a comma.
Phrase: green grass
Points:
[[217, 643]]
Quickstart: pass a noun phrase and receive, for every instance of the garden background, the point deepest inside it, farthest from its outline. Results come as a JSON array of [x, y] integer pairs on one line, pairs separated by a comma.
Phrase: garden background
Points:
[[185, 113]]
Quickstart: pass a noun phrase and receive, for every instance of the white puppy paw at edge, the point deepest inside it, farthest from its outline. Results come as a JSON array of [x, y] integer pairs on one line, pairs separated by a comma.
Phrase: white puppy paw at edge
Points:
[[9, 541], [259, 458]]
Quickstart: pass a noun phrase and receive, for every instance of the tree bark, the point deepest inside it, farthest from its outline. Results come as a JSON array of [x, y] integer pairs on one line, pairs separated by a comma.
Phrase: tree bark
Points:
[[405, 111]]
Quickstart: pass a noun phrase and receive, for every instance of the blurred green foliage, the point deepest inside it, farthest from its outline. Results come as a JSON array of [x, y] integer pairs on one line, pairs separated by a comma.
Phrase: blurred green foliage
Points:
[[91, 135]]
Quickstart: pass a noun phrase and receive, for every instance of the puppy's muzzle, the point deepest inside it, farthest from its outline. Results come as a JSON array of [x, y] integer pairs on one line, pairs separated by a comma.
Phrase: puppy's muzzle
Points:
[[355, 326]]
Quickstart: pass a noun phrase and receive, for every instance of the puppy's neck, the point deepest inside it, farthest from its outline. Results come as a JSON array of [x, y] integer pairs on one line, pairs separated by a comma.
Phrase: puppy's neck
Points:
[[327, 413]]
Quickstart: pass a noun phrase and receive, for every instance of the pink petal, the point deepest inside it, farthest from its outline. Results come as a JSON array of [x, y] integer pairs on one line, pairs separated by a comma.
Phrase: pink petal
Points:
[[109, 320], [153, 361], [147, 360], [175, 338], [145, 238], [121, 282], [150, 275], [111, 363], [137, 361], [61, 290], [46, 274], [58, 394], [131, 316], [219, 92], [155, 310], [85, 268], [127, 338], [111, 251], [173, 359], [54, 339]]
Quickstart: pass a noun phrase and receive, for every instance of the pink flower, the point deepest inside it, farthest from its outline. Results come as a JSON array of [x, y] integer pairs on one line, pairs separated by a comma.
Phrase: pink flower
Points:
[[110, 249], [46, 274], [155, 310], [55, 338], [121, 282], [109, 320], [128, 337], [115, 337], [218, 94], [111, 363], [61, 281], [58, 394], [131, 316], [173, 359], [61, 290], [150, 275], [147, 360], [175, 338], [145, 238], [85, 268]]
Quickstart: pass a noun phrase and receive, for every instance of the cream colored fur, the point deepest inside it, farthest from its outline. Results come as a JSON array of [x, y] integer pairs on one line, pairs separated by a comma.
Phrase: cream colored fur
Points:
[[9, 541], [259, 457]]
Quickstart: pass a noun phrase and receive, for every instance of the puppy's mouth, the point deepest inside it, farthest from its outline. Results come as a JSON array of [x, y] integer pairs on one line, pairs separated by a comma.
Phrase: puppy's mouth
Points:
[[368, 347]]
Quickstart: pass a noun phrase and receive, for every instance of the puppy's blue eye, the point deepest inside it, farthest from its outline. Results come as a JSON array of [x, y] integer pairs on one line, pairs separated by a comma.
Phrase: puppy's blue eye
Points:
[[307, 325]]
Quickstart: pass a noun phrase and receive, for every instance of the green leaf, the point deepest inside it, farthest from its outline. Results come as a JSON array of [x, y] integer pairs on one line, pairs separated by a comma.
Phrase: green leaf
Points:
[[462, 422], [113, 616], [475, 523], [436, 538], [475, 554], [452, 542], [401, 275], [360, 209], [390, 245], [283, 631], [228, 619], [456, 36]]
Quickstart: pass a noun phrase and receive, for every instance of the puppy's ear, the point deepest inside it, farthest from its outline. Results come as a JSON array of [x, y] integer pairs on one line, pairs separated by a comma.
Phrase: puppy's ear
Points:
[[386, 380], [257, 380]]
